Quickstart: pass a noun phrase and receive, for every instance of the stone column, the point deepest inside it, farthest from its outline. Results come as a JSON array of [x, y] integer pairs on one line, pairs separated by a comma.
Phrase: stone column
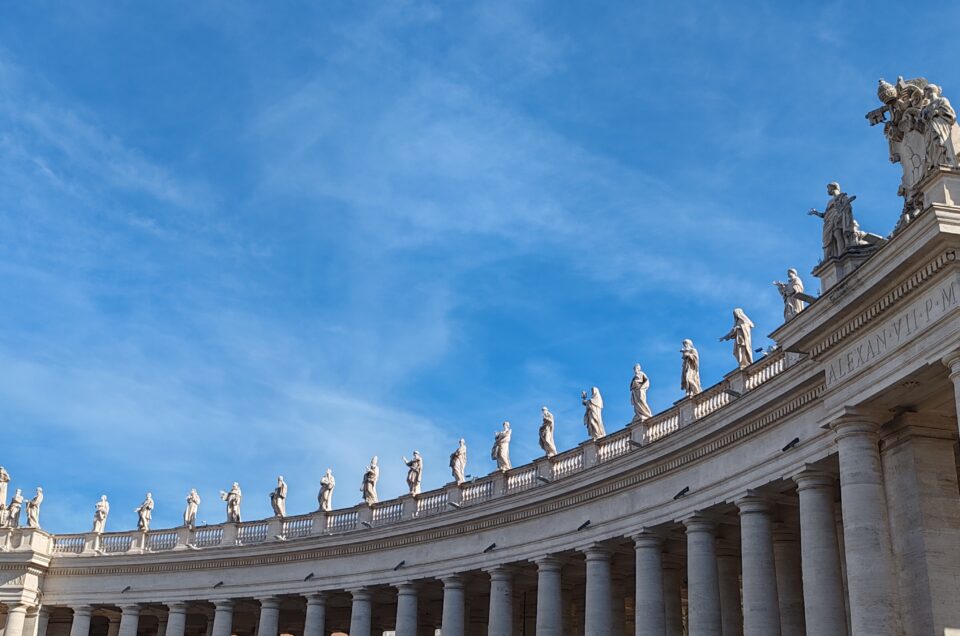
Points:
[[761, 604], [703, 586], [43, 619], [549, 597], [823, 595], [952, 362], [16, 617], [361, 614], [406, 609], [162, 625], [129, 620], [728, 573], [269, 624], [870, 572], [618, 596], [113, 625], [176, 619], [222, 618], [598, 615], [672, 595], [786, 554], [452, 622], [316, 617], [81, 621], [648, 606], [500, 620]]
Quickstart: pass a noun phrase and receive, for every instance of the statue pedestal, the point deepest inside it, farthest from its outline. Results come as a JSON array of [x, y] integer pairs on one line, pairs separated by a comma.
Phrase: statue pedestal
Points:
[[941, 187], [834, 270]]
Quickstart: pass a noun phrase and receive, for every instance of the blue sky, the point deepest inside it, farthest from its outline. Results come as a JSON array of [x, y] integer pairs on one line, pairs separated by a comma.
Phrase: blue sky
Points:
[[238, 240]]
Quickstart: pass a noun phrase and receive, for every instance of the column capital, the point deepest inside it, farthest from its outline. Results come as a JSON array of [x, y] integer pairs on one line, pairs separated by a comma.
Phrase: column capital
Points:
[[596, 552], [360, 593], [16, 606], [81, 610], [814, 477], [952, 362], [269, 602], [452, 581], [176, 607], [316, 598], [699, 522], [222, 604], [754, 504], [407, 587], [548, 563], [500, 572], [857, 421], [647, 538], [130, 609]]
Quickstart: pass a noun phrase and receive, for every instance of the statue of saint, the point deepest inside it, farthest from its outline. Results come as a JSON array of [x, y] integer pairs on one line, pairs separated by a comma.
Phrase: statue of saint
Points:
[[325, 496], [190, 513], [939, 121], [638, 395], [501, 448], [740, 333], [593, 415], [4, 483], [100, 512], [458, 462], [232, 499], [145, 513], [4, 515], [33, 509], [840, 231], [546, 433], [791, 292], [13, 510], [414, 472], [278, 498], [690, 375], [369, 486]]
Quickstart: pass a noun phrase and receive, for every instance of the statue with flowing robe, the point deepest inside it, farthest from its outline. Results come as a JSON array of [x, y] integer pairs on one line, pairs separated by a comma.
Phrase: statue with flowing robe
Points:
[[638, 395], [100, 513], [840, 231], [414, 472], [690, 374], [546, 433], [593, 415], [792, 293], [233, 500], [190, 513], [325, 496], [458, 462], [33, 509], [501, 448], [145, 513], [741, 334], [278, 498], [371, 474]]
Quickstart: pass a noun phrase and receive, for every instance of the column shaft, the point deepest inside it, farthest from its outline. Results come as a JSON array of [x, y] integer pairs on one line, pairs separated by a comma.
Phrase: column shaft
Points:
[[598, 619], [269, 624], [703, 586], [81, 621], [549, 597], [453, 622], [672, 598], [129, 620], [648, 605], [731, 608], [761, 603], [16, 618], [316, 617], [786, 554], [500, 620], [361, 613], [176, 619], [43, 619], [406, 610], [222, 618]]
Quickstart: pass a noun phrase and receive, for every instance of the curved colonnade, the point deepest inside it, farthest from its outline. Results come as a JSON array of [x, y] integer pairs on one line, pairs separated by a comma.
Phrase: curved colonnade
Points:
[[814, 492]]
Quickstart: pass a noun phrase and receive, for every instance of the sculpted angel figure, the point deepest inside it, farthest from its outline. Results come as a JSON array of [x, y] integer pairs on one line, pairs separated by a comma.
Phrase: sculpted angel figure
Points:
[[690, 375], [325, 497], [100, 512], [369, 486], [13, 510], [414, 472], [593, 415], [638, 395], [840, 231], [740, 333], [792, 305], [458, 462], [232, 499], [145, 513], [546, 433], [278, 498], [501, 448], [190, 513], [33, 509]]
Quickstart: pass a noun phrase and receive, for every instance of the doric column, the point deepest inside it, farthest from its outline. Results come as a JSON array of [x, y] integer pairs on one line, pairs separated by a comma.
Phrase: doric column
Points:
[[452, 622], [786, 554], [761, 604], [952, 362], [314, 624], [16, 617], [113, 625], [43, 619], [618, 597], [728, 573], [361, 614], [823, 595], [222, 618], [269, 624], [176, 619], [81, 621], [648, 606], [406, 609], [703, 587], [549, 597], [870, 572], [598, 614], [673, 595], [162, 625], [129, 620], [500, 621]]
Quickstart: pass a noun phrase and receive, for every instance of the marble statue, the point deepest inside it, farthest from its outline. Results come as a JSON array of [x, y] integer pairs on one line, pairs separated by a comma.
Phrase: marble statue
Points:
[[458, 462], [791, 292], [546, 433], [232, 499], [369, 486], [325, 496], [13, 510], [4, 515], [145, 513], [4, 483], [278, 498], [33, 509], [100, 512], [741, 334], [593, 415], [840, 230], [921, 131], [414, 472], [690, 375], [638, 395], [501, 448], [190, 513]]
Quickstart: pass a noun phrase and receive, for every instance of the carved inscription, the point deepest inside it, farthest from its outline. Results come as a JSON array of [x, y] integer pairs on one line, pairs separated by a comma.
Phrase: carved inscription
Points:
[[893, 332]]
